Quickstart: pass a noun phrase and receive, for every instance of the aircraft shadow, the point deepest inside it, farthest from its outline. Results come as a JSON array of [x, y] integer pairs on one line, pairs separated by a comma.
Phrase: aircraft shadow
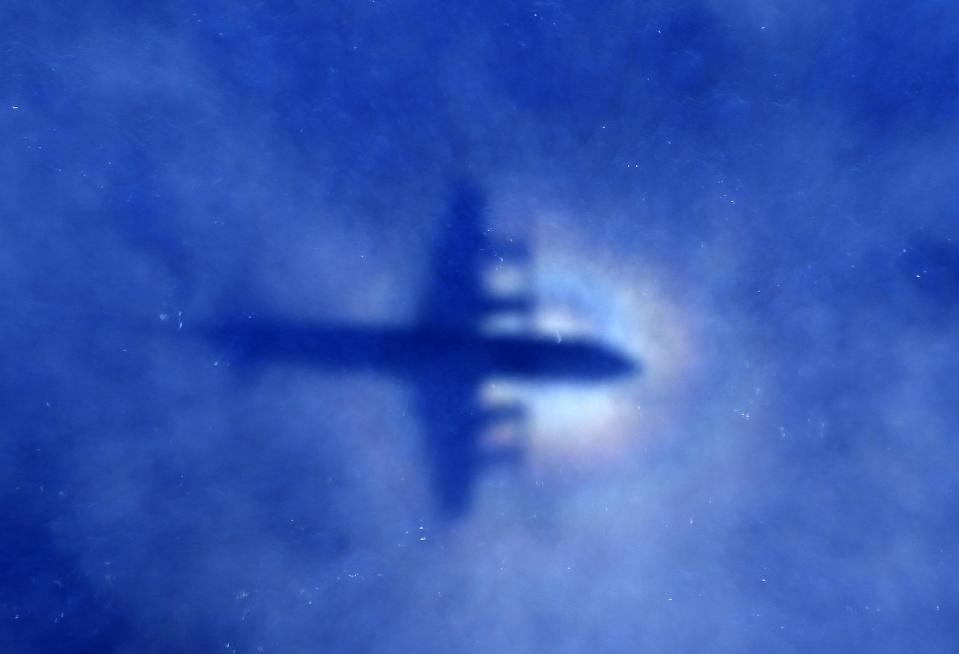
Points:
[[444, 357]]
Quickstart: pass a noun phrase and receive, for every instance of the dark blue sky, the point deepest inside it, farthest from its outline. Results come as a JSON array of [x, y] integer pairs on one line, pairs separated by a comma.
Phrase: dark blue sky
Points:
[[756, 199]]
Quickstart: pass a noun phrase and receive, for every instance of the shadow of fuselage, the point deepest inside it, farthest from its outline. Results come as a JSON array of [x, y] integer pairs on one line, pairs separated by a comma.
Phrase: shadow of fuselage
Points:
[[424, 351]]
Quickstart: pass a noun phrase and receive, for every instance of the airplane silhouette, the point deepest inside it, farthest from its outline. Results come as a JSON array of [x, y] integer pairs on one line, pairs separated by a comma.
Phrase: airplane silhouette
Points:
[[445, 356]]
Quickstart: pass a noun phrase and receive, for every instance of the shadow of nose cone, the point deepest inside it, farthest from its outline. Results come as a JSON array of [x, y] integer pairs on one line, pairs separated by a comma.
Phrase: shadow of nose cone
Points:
[[621, 365]]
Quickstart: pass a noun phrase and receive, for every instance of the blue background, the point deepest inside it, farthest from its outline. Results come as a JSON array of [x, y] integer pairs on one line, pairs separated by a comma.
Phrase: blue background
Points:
[[784, 174]]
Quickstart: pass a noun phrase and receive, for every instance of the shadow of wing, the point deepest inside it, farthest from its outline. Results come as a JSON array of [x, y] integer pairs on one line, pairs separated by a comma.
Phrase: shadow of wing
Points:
[[451, 430], [455, 297]]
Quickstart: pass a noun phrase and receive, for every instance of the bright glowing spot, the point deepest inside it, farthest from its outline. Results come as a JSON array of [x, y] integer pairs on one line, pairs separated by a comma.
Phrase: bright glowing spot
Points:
[[580, 426]]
